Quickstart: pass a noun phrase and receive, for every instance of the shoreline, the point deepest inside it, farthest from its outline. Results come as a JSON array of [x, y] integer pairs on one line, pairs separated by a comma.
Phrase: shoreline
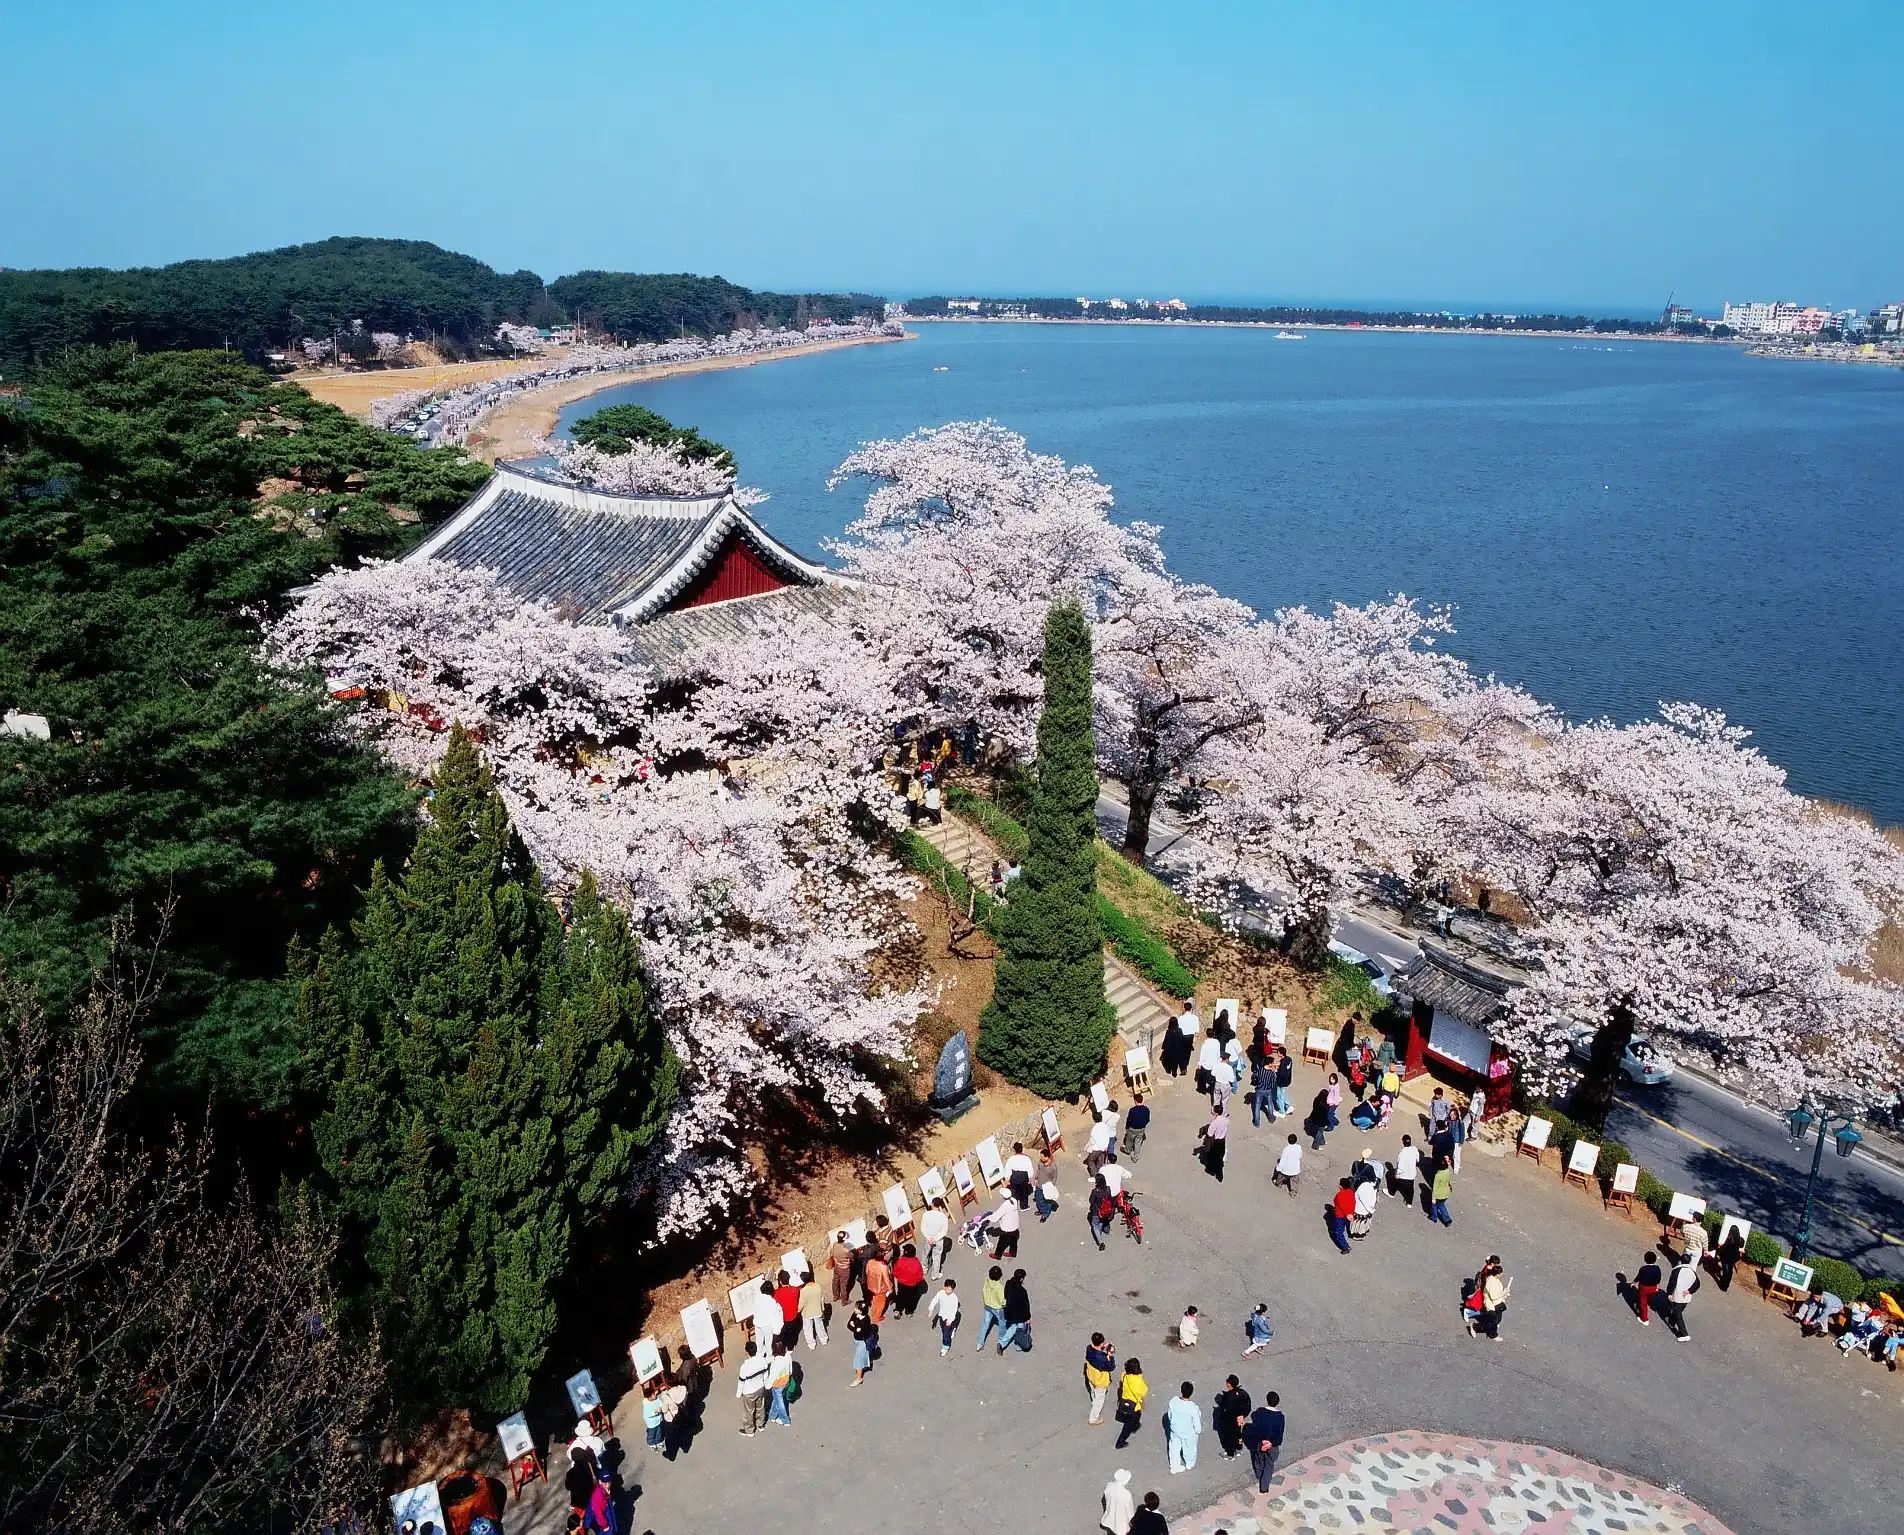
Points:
[[513, 428], [1307, 325]]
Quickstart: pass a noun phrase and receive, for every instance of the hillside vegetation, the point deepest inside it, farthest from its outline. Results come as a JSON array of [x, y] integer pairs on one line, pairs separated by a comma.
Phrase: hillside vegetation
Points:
[[270, 300]]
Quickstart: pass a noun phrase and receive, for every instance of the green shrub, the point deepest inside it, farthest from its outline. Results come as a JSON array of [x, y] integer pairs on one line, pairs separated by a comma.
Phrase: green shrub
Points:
[[1348, 987], [1836, 1276], [1612, 1154], [1135, 944], [1655, 1195], [1010, 838], [1762, 1249], [1873, 1288]]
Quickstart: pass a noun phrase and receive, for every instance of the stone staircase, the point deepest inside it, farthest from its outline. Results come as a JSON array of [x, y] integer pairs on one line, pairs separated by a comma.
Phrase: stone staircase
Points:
[[1141, 1012]]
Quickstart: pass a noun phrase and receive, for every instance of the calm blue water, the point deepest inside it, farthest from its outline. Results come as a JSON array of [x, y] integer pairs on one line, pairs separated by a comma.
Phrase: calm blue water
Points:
[[1616, 524]]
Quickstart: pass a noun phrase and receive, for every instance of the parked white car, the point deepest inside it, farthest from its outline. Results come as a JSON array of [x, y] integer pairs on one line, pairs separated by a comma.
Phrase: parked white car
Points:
[[1642, 1061]]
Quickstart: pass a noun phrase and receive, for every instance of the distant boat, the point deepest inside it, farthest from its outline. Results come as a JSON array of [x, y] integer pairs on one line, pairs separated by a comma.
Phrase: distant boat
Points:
[[942, 368], [1289, 335]]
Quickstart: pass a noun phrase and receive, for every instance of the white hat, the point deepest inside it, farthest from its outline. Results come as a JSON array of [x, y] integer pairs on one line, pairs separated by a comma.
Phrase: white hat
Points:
[[1120, 1476]]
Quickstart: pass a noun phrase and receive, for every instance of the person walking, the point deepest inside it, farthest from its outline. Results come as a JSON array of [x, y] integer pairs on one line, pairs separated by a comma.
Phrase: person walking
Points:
[[813, 1311], [1005, 1226], [1119, 1505], [1099, 1356], [1264, 1435], [909, 1281], [944, 1311], [1214, 1142], [1457, 1133], [751, 1388], [1262, 1093], [1136, 1126], [1100, 1205], [1289, 1166], [1332, 1095], [1101, 1142], [935, 1230], [1189, 1328], [879, 1286], [1680, 1285], [1285, 1076], [1726, 1256], [992, 1298], [1318, 1125], [1257, 1329], [1131, 1391], [1646, 1285], [1341, 1212], [1017, 1314], [1401, 1177], [861, 1329], [1228, 1413], [779, 1380], [1495, 1289], [1366, 1193], [1440, 1111], [1149, 1519], [1438, 1192], [1183, 1422]]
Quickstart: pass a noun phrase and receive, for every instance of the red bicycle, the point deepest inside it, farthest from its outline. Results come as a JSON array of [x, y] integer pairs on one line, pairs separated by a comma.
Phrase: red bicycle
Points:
[[1133, 1221]]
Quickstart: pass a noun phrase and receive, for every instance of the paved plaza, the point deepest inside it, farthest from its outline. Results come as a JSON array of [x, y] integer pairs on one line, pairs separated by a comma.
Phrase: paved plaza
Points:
[[1762, 1429]]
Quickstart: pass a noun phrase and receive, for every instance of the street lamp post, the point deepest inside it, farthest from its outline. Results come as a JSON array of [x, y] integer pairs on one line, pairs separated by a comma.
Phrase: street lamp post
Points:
[[1843, 1134]]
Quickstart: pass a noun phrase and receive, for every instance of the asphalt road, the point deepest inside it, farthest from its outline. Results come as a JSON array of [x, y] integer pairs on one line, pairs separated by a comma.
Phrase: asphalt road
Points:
[[1689, 1132], [1698, 1136]]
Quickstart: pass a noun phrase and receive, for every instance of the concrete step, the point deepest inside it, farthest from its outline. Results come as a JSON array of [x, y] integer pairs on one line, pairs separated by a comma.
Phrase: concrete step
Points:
[[1140, 1011]]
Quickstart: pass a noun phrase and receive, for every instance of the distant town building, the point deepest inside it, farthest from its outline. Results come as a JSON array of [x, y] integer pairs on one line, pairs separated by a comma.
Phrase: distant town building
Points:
[[1175, 304], [969, 305], [1116, 303], [1777, 319], [1887, 320], [1013, 312]]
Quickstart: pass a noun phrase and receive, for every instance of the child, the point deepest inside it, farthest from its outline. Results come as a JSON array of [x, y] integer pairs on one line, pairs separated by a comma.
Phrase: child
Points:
[[1187, 1329], [1256, 1325]]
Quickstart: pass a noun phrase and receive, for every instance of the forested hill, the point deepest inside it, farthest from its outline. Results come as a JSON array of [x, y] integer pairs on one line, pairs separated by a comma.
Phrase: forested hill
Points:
[[636, 307], [270, 300]]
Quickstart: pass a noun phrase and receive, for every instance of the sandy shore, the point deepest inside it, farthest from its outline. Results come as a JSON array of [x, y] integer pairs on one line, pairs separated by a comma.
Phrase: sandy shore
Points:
[[356, 391], [513, 429]]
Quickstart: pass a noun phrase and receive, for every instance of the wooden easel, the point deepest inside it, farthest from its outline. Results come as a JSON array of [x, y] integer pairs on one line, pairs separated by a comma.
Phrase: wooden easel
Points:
[[1137, 1070], [962, 1182], [1620, 1199], [1775, 1291], [1054, 1136], [523, 1470]]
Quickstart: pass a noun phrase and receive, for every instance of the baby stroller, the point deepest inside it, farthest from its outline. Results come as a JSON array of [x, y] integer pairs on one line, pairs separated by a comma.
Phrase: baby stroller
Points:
[[1133, 1221], [974, 1232]]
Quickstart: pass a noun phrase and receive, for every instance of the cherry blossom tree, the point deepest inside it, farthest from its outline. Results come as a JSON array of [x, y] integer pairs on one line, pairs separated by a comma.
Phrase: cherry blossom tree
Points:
[[1678, 886], [646, 469], [731, 803]]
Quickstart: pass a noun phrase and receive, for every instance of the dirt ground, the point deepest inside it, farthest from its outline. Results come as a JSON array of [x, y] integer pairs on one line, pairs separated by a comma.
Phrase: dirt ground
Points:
[[356, 392]]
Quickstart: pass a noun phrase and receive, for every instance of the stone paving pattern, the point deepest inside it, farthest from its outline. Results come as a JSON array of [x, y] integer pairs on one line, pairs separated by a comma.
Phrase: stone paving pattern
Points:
[[1411, 1483]]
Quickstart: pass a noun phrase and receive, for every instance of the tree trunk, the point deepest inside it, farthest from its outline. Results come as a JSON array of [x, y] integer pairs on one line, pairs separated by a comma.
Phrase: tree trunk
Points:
[[1143, 800], [1593, 1098], [1309, 935]]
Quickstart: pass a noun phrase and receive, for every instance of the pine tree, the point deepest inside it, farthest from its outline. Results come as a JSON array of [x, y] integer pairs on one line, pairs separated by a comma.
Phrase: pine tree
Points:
[[1048, 1023], [487, 1080]]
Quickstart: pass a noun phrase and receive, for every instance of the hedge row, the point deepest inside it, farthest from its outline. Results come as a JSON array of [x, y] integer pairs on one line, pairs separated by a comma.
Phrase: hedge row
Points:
[[1138, 947], [1762, 1249]]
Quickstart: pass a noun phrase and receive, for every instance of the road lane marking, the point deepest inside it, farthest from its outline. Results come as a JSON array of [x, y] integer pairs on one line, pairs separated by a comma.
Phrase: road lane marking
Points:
[[1753, 1167]]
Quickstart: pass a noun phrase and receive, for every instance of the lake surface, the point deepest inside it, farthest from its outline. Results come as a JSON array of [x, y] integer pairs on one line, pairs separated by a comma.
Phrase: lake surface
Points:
[[1616, 523]]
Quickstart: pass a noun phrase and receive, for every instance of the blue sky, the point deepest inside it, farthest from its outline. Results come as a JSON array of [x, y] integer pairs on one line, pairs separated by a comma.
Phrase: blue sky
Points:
[[1582, 154]]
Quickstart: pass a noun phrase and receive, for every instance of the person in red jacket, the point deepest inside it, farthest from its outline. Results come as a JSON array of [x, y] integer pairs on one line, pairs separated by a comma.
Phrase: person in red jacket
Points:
[[787, 1295], [1341, 1211], [909, 1280]]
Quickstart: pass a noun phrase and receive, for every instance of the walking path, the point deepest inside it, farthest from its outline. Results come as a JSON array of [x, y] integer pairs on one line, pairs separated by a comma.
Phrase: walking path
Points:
[[1769, 1431]]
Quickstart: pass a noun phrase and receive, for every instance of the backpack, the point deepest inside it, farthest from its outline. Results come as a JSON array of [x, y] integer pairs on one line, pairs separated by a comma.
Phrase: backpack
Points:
[[1102, 1206]]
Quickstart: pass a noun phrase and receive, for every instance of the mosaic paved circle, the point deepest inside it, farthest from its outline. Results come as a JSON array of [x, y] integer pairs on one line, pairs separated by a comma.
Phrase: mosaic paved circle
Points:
[[1444, 1484]]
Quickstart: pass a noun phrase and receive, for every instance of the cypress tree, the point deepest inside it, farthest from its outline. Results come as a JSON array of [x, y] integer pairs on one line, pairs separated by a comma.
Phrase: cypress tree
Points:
[[487, 1079], [1048, 1023]]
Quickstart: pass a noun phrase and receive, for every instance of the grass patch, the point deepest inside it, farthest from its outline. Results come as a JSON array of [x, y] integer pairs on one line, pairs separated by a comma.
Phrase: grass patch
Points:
[[1348, 987], [1148, 954], [1006, 834]]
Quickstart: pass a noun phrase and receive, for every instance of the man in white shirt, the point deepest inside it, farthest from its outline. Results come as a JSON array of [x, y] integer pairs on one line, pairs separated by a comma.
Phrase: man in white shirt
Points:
[[1116, 1178], [769, 1319], [751, 1388], [1098, 1147], [1680, 1284], [1005, 1225], [1289, 1166], [944, 1311], [935, 1227], [1407, 1167], [1021, 1173]]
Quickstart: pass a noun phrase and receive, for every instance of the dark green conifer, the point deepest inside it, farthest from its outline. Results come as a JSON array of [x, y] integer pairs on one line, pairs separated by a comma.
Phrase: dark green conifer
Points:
[[488, 1079], [1048, 1023]]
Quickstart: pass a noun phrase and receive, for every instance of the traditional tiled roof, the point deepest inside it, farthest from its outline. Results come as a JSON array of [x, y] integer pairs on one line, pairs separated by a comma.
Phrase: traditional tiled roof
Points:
[[1455, 988], [597, 558], [669, 638]]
